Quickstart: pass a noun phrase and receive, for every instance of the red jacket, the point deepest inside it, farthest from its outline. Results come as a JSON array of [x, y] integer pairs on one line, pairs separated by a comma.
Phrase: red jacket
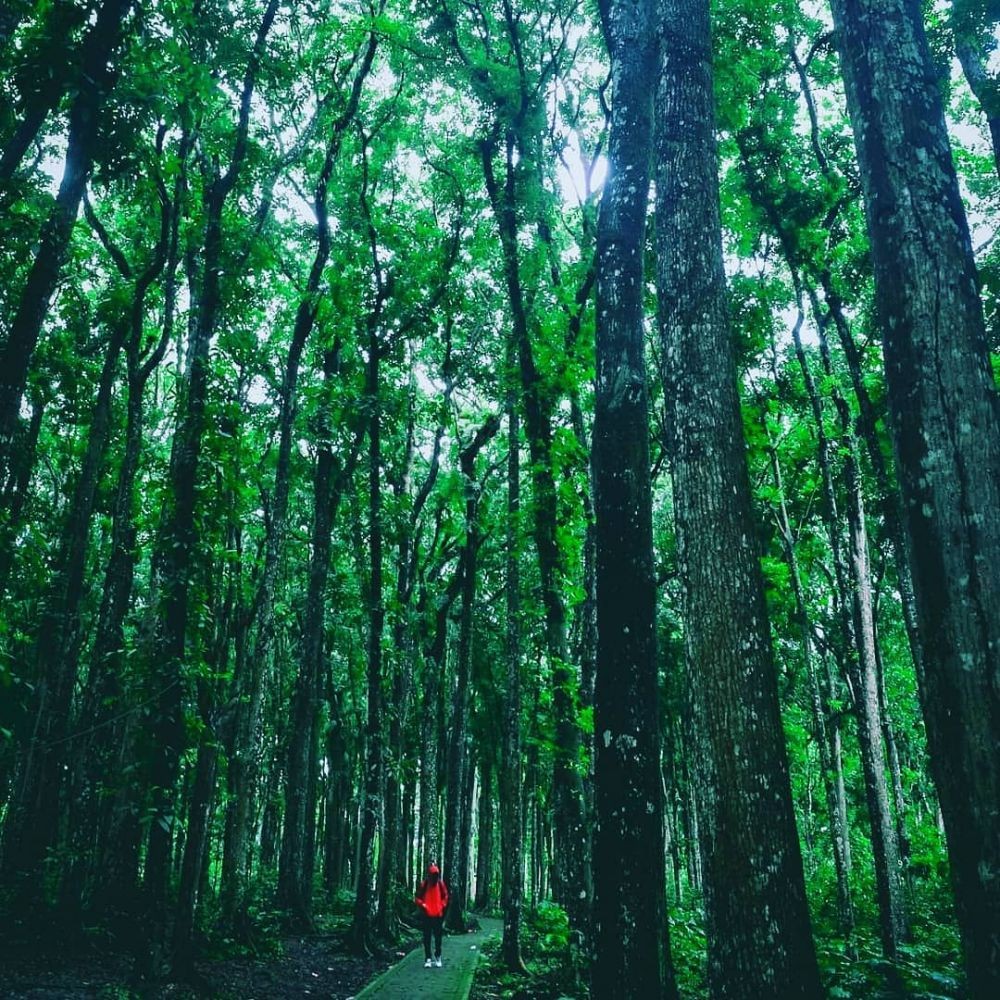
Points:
[[432, 897]]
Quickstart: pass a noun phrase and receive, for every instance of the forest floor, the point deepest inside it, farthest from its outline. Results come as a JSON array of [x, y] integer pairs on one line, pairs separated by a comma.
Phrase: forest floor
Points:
[[304, 967]]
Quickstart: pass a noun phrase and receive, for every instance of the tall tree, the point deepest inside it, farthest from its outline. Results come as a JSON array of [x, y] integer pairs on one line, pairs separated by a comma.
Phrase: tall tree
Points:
[[631, 943], [459, 765], [97, 76], [759, 927], [510, 777], [945, 426], [293, 888], [176, 553]]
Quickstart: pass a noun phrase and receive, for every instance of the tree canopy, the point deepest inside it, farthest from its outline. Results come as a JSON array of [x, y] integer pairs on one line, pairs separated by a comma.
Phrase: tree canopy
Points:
[[559, 440]]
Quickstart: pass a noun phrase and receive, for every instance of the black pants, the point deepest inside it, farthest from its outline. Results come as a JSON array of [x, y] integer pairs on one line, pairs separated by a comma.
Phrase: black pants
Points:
[[435, 926]]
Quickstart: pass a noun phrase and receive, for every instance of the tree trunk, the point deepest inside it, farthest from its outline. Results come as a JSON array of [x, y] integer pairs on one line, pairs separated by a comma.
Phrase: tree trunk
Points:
[[511, 764], [885, 845], [945, 429], [294, 894], [758, 922], [836, 819], [853, 600], [294, 889], [97, 77], [456, 869], [572, 872], [372, 820], [484, 846], [464, 879], [900, 807], [984, 86], [15, 491], [175, 555], [632, 954], [32, 829], [195, 846], [337, 795]]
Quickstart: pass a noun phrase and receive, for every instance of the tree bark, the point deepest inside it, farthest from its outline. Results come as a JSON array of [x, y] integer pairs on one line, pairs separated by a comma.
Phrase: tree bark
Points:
[[945, 428], [15, 491], [374, 773], [631, 942], [195, 846], [853, 602], [758, 922], [330, 480], [484, 845], [458, 763], [973, 58], [511, 769]]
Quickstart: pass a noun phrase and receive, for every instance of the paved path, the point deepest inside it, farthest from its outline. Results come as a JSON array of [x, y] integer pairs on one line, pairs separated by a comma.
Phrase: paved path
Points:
[[409, 980]]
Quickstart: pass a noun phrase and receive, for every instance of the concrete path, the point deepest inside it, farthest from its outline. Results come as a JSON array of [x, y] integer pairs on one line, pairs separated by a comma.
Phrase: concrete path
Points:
[[409, 980]]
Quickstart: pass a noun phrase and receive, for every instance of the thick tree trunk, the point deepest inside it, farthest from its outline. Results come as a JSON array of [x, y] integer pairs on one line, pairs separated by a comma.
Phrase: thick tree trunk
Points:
[[945, 429], [758, 922], [632, 956]]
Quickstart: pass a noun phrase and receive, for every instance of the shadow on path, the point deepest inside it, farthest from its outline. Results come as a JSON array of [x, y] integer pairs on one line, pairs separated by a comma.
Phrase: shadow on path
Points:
[[409, 980]]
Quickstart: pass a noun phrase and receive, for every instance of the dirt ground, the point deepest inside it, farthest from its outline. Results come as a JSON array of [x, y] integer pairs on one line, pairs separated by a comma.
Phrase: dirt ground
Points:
[[307, 967]]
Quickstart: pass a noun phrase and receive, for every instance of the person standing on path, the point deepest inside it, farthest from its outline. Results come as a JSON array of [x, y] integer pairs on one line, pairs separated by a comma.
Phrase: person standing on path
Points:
[[432, 898]]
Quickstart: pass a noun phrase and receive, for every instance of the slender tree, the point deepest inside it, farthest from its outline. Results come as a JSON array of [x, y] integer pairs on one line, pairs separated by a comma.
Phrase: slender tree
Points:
[[97, 76], [176, 553]]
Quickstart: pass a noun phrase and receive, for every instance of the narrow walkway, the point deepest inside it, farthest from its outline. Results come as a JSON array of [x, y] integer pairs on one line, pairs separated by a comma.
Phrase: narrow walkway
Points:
[[409, 980]]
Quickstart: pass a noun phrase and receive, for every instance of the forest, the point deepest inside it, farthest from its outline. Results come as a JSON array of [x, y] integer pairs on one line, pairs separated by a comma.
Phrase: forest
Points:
[[554, 439]]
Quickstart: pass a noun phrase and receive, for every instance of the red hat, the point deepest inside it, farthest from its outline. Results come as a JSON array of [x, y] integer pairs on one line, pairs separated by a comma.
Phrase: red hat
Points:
[[432, 869]]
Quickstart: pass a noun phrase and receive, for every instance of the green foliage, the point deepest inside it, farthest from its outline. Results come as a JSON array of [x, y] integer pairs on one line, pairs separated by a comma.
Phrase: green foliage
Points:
[[687, 948], [415, 257], [554, 972]]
